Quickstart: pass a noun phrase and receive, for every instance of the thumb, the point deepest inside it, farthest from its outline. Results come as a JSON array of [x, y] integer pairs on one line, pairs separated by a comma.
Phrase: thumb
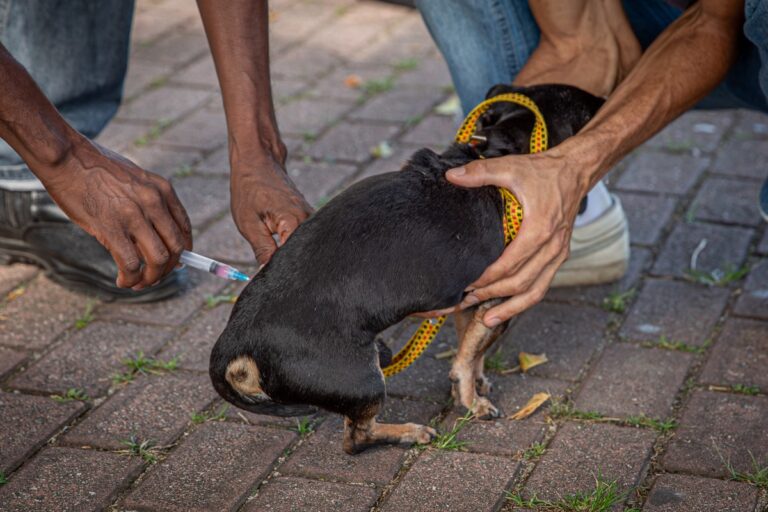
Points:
[[473, 174], [260, 238]]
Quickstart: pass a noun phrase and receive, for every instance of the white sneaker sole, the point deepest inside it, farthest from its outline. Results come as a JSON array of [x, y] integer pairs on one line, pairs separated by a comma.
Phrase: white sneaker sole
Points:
[[599, 251]]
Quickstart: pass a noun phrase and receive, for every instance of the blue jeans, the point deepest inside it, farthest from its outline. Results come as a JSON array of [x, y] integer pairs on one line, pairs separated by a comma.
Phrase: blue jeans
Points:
[[76, 51], [486, 42]]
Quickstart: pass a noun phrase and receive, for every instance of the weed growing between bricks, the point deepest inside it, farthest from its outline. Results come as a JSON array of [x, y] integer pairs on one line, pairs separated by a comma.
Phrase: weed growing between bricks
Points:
[[602, 498]]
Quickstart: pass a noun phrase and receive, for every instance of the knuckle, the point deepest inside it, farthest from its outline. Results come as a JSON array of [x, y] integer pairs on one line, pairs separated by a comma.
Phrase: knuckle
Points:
[[132, 265], [161, 257]]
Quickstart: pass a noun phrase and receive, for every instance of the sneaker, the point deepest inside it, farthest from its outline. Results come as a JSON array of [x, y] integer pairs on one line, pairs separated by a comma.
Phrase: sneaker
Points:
[[763, 200], [599, 250], [34, 230]]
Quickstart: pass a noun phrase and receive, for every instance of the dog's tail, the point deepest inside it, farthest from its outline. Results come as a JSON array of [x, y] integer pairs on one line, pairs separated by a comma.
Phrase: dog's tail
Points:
[[239, 383]]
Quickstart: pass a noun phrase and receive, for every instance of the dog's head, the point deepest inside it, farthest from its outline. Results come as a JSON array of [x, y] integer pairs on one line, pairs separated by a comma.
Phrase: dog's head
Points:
[[505, 128]]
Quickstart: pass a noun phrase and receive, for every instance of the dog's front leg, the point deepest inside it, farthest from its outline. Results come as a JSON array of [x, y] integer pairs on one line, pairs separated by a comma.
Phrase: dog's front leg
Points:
[[467, 370], [363, 432]]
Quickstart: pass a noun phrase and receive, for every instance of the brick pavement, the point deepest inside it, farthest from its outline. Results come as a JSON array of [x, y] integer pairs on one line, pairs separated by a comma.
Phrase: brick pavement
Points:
[[665, 396]]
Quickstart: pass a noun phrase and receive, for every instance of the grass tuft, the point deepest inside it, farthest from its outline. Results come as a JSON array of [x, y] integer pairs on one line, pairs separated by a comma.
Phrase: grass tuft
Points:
[[378, 86], [72, 394], [745, 390], [406, 64], [602, 498], [304, 426], [535, 451], [617, 301], [87, 316], [202, 417], [495, 363], [449, 440], [211, 301], [667, 344], [658, 425], [144, 449], [757, 477], [3, 479], [718, 277], [145, 365], [567, 410]]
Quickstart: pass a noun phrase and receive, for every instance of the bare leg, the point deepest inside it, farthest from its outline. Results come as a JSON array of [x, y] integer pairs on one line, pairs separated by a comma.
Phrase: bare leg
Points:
[[364, 432], [472, 345]]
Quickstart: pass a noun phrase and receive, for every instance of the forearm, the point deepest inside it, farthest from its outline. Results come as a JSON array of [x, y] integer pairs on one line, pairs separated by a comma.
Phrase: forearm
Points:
[[29, 123], [684, 64], [238, 36]]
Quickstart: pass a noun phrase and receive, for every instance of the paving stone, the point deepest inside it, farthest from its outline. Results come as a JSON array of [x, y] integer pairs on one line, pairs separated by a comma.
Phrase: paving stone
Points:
[[163, 161], [304, 62], [293, 23], [174, 311], [311, 496], [352, 142], [335, 85], [398, 105], [204, 198], [719, 428], [149, 24], [740, 355], [661, 172], [119, 136], [753, 300], [213, 469], [728, 201], [634, 381], [697, 129], [35, 318], [204, 131], [647, 216], [742, 157], [751, 124], [504, 436], [684, 493], [318, 181], [400, 156], [427, 378], [639, 260], [407, 42], [216, 162], [89, 357], [68, 479], [284, 90], [222, 241], [569, 335], [28, 422], [10, 359], [431, 72], [155, 407], [433, 131], [201, 72], [582, 451], [726, 248], [164, 103], [233, 413], [12, 276], [762, 247], [477, 483], [194, 346], [665, 308], [309, 117], [175, 49], [321, 456]]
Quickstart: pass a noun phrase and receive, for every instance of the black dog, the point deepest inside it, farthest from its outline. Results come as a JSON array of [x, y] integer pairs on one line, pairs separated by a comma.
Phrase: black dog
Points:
[[302, 332]]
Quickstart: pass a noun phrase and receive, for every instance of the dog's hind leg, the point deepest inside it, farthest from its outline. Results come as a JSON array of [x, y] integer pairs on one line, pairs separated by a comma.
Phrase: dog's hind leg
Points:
[[364, 431], [467, 370]]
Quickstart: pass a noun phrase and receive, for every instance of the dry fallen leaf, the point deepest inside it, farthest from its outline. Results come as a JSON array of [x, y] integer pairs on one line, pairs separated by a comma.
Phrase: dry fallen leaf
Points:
[[528, 361], [353, 81], [533, 404], [16, 293], [446, 354]]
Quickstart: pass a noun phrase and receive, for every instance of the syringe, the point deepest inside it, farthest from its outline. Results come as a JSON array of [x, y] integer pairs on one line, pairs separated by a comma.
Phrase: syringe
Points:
[[217, 268]]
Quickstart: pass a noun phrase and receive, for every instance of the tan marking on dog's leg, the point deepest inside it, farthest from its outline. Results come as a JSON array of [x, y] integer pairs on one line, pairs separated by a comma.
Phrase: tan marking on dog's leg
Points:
[[244, 377], [362, 433], [482, 383], [476, 340]]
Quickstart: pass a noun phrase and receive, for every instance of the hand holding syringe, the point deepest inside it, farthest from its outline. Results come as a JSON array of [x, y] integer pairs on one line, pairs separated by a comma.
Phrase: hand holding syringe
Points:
[[216, 268]]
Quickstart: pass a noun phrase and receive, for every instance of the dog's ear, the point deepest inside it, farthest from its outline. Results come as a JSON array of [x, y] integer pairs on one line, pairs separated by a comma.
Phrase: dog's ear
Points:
[[501, 89]]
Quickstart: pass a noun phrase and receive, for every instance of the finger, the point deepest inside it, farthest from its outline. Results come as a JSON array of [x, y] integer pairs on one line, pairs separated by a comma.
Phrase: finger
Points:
[[260, 237], [520, 281], [124, 253], [436, 313], [177, 211], [153, 252], [474, 174], [286, 225], [520, 303], [169, 232]]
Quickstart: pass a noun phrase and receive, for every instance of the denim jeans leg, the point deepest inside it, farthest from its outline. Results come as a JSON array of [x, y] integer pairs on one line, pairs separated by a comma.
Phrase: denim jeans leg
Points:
[[77, 53], [484, 42]]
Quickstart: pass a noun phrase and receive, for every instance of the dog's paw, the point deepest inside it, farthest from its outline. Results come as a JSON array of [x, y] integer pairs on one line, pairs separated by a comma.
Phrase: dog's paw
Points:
[[423, 434], [483, 386], [483, 409]]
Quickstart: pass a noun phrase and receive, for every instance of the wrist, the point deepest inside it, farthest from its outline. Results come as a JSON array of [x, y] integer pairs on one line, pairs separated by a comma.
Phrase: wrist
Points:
[[584, 160]]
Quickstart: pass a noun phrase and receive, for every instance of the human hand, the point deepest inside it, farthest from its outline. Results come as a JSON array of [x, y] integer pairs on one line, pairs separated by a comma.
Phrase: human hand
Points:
[[265, 201], [550, 194], [135, 214]]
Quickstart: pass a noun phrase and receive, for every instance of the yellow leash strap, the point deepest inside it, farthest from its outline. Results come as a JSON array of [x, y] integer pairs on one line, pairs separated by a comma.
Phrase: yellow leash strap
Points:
[[513, 217]]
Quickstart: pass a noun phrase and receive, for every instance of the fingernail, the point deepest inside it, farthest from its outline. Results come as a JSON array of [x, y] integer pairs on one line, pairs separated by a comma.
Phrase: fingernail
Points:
[[470, 300], [493, 321], [459, 171]]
